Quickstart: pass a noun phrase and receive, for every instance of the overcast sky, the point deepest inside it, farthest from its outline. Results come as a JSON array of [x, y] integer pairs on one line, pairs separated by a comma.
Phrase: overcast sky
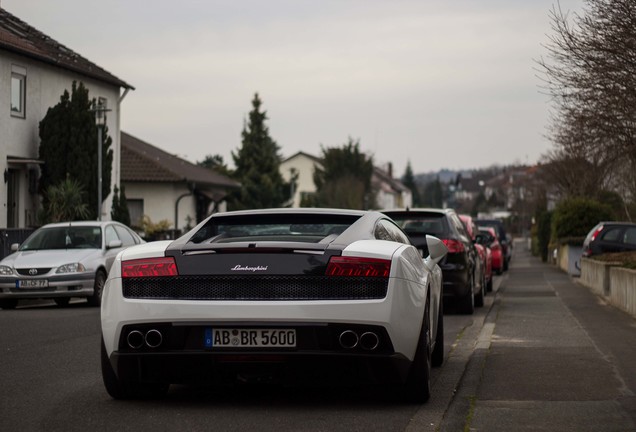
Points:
[[442, 84]]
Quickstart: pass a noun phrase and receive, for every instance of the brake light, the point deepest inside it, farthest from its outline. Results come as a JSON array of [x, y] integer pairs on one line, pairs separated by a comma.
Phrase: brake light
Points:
[[355, 266], [598, 230], [454, 246], [149, 267]]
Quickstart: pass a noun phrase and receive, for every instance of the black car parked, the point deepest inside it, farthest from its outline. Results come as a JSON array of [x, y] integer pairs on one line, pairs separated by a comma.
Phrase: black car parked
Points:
[[607, 237], [459, 265]]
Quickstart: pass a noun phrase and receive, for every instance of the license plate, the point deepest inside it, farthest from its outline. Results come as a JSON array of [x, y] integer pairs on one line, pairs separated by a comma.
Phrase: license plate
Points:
[[250, 338], [32, 283]]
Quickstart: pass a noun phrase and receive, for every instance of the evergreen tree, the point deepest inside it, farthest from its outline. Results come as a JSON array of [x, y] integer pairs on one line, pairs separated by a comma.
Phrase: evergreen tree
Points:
[[215, 163], [68, 146], [409, 181], [433, 195], [344, 181], [257, 166], [120, 211]]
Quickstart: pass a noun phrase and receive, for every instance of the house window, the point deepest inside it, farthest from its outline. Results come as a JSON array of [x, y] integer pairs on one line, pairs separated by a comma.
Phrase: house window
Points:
[[136, 212], [18, 92]]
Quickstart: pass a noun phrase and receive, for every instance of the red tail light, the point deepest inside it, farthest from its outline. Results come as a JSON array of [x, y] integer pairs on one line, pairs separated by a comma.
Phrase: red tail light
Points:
[[495, 246], [454, 246], [598, 230], [354, 266], [149, 267]]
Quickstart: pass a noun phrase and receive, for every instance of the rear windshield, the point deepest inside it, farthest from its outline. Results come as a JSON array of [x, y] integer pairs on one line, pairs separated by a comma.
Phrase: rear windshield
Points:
[[306, 228], [415, 224]]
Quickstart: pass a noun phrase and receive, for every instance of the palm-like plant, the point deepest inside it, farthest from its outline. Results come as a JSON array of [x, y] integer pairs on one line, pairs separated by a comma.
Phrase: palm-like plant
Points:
[[66, 201]]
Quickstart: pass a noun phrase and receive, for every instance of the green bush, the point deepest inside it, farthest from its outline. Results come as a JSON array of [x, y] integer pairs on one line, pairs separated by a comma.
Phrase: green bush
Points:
[[575, 217]]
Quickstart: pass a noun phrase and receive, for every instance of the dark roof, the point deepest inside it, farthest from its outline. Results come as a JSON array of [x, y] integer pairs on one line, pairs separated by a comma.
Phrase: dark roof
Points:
[[143, 162], [20, 38], [396, 184]]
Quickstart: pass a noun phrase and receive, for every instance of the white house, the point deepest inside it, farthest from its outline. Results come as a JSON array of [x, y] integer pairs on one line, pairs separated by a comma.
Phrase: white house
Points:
[[35, 70], [303, 165], [390, 192], [164, 187]]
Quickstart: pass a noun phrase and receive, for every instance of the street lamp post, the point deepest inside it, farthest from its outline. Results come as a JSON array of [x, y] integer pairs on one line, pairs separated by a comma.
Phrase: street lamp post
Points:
[[99, 108]]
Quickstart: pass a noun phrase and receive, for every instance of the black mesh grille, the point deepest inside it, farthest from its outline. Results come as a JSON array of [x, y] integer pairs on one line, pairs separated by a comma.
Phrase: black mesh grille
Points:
[[28, 272], [256, 288]]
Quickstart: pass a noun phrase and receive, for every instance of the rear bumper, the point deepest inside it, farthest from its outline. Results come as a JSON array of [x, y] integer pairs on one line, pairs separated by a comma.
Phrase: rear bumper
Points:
[[288, 368]]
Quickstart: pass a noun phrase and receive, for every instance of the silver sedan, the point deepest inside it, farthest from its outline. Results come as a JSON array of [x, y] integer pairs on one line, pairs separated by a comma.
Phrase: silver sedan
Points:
[[63, 260]]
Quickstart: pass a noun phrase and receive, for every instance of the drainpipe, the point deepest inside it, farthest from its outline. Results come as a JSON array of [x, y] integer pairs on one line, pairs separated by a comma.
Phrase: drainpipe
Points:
[[176, 207]]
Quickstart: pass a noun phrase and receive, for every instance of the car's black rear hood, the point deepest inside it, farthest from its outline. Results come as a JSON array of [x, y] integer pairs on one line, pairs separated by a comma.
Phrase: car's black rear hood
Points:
[[253, 258]]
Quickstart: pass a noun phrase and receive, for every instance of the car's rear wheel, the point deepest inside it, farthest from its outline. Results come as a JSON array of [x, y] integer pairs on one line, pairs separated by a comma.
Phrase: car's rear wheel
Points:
[[62, 301], [121, 389], [437, 358], [417, 387], [98, 288], [8, 303]]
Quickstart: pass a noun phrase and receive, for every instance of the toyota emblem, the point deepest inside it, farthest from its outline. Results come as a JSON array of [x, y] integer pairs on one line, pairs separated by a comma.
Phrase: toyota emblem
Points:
[[33, 272]]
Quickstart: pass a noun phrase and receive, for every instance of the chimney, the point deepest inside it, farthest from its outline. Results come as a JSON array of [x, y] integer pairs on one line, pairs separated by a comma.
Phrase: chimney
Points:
[[389, 169]]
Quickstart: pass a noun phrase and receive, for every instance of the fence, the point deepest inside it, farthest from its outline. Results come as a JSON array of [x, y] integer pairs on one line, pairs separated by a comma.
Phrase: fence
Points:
[[9, 236]]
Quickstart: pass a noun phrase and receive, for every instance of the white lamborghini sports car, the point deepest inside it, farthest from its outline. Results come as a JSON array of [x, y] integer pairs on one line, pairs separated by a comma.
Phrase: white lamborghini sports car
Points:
[[283, 295]]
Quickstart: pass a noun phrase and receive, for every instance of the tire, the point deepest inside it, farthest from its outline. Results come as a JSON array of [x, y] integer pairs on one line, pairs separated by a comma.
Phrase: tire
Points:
[[8, 303], [417, 388], [119, 389], [98, 289], [467, 302], [62, 301], [437, 358]]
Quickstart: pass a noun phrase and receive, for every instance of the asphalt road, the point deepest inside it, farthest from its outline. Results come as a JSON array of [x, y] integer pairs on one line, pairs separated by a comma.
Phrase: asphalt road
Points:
[[543, 354], [51, 380]]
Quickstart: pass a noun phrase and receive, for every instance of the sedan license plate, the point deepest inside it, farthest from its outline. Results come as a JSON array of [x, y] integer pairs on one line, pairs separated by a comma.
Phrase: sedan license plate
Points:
[[32, 283], [250, 338]]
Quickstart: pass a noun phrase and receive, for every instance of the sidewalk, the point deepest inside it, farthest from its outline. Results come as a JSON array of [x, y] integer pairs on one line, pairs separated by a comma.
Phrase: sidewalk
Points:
[[551, 357]]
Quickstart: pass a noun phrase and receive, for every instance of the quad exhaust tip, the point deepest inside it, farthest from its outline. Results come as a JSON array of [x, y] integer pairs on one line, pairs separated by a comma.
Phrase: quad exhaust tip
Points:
[[368, 341], [348, 339], [152, 339]]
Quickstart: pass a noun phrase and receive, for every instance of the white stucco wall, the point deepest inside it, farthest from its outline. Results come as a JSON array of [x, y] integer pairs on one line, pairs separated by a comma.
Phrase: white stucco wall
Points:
[[305, 167], [159, 202], [20, 136]]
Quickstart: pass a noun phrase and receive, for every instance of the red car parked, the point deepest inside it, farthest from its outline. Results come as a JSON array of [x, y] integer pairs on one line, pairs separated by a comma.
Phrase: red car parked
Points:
[[491, 240], [486, 270]]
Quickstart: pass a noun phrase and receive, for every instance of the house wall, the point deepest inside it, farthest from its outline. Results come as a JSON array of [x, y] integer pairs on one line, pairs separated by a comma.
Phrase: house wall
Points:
[[305, 167], [160, 200], [20, 136]]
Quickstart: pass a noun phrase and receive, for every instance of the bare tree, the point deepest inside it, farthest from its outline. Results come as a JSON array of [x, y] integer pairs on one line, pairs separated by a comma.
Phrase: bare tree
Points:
[[590, 73]]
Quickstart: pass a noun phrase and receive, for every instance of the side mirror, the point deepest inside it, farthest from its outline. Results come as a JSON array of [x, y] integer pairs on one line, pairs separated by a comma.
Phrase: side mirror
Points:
[[14, 247], [436, 249], [114, 244]]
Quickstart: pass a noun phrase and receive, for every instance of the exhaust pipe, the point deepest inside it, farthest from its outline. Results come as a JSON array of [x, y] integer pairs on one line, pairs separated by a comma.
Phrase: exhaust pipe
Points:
[[369, 341], [348, 339], [153, 338], [135, 339]]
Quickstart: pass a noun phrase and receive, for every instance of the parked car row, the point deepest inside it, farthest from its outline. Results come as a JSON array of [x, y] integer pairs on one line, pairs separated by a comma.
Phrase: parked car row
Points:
[[468, 266], [272, 294]]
